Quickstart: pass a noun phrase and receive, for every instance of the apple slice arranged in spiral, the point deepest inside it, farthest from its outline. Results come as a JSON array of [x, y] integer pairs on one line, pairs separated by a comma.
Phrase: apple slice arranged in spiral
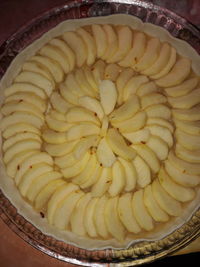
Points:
[[126, 213], [118, 145], [77, 216], [177, 75], [77, 45]]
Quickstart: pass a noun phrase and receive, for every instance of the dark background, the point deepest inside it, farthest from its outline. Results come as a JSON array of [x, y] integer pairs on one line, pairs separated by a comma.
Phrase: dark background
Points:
[[14, 252]]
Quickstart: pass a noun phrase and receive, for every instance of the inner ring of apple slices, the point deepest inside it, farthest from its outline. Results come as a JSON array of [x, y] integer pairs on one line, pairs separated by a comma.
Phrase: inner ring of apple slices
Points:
[[109, 126]]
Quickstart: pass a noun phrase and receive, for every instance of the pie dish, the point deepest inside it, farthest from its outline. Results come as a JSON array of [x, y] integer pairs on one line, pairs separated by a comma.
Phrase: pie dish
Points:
[[118, 131]]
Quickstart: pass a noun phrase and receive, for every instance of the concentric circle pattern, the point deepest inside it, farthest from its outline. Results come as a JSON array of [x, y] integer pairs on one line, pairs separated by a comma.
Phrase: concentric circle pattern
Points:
[[101, 132]]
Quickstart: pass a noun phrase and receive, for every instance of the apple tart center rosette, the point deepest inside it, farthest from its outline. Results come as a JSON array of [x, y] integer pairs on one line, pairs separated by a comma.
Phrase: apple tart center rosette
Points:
[[101, 132]]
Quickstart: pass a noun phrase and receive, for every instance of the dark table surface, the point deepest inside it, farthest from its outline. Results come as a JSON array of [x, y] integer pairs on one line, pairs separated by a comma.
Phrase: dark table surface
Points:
[[14, 252]]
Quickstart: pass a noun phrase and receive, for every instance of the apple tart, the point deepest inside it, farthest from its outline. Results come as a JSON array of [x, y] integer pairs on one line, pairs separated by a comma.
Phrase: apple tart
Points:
[[101, 131]]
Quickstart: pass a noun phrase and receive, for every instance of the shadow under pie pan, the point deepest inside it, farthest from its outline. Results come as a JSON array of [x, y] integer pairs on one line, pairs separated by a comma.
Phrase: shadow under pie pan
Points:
[[139, 252]]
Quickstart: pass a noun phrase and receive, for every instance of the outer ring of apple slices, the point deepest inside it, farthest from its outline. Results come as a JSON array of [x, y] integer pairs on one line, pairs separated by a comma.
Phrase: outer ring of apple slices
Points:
[[43, 71]]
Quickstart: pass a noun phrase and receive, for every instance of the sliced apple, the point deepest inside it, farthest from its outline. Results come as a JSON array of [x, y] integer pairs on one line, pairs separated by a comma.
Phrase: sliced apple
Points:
[[68, 95], [158, 146], [28, 178], [93, 178], [81, 130], [28, 97], [88, 171], [147, 88], [186, 101], [137, 137], [16, 128], [113, 223], [19, 137], [60, 194], [190, 127], [183, 89], [140, 212], [150, 55], [79, 114], [36, 79], [99, 218], [76, 168], [57, 125], [17, 160], [161, 132], [136, 52], [98, 70], [165, 201], [23, 88], [65, 208], [59, 103], [57, 55], [161, 122], [118, 145], [133, 124], [168, 66], [28, 162], [149, 156], [158, 214], [104, 126], [184, 166], [92, 104], [103, 183], [126, 213], [100, 38], [89, 221], [84, 84], [189, 141], [152, 99], [112, 39], [158, 111], [108, 95], [121, 81], [112, 72], [23, 145], [130, 174], [127, 110], [53, 67], [192, 114], [77, 45], [90, 78], [179, 176], [143, 172], [72, 85], [105, 155], [53, 137], [90, 44], [132, 86], [160, 62], [62, 46], [177, 75], [192, 156], [178, 192], [118, 179], [34, 67], [67, 160], [21, 117], [57, 115], [77, 216], [84, 144], [124, 43], [45, 194], [41, 182], [59, 150]]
